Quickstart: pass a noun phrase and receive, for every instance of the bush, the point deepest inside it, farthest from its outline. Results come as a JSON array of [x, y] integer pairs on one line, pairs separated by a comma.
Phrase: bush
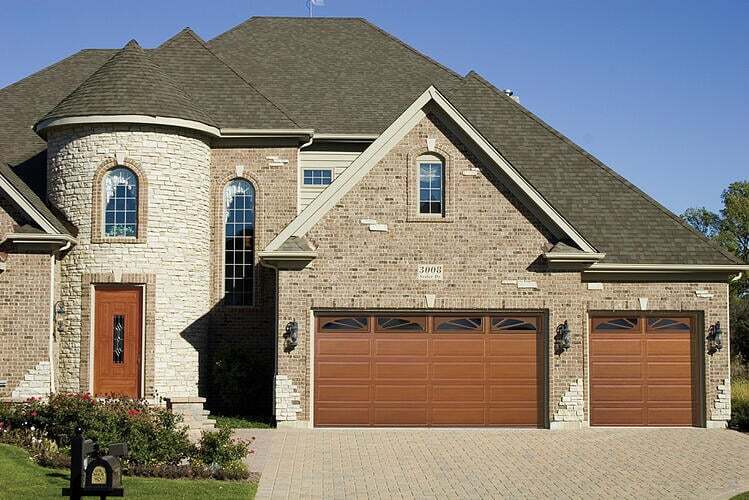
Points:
[[153, 434], [218, 448], [740, 404]]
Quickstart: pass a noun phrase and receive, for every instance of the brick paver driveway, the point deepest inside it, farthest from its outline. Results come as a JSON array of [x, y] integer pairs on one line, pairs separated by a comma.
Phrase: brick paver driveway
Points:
[[593, 463]]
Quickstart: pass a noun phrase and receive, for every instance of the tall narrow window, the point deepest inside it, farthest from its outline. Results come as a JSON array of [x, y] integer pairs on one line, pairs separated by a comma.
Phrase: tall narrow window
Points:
[[118, 339], [431, 186], [120, 203], [239, 248]]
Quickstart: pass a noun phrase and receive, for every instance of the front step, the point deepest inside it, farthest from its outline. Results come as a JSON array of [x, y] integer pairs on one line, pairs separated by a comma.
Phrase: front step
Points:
[[194, 416]]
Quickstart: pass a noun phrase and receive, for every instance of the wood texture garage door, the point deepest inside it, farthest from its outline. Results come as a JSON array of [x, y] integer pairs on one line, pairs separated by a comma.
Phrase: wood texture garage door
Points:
[[642, 371], [446, 370]]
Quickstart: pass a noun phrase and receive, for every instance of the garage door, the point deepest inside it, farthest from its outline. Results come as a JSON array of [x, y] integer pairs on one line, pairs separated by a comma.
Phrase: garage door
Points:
[[642, 370], [436, 370]]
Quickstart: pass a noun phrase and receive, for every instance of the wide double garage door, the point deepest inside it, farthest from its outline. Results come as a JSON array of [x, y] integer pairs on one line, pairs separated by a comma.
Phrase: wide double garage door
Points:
[[643, 370], [429, 370]]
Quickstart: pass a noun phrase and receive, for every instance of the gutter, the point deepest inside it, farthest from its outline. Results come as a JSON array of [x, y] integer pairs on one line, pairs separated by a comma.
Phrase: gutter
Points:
[[573, 257], [63, 240], [281, 255], [665, 268], [346, 137]]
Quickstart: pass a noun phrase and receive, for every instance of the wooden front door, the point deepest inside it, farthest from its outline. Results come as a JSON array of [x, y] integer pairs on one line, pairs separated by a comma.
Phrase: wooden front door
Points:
[[117, 341]]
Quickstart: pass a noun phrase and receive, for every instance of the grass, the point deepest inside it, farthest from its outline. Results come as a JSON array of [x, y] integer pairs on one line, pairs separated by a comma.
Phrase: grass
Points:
[[741, 496], [21, 478], [740, 389], [242, 422], [740, 404]]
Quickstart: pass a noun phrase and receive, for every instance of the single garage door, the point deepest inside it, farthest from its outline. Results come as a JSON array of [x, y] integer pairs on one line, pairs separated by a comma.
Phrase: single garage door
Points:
[[642, 370], [428, 370]]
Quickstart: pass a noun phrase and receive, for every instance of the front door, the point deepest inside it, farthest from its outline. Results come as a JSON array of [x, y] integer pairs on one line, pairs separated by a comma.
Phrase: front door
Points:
[[117, 341]]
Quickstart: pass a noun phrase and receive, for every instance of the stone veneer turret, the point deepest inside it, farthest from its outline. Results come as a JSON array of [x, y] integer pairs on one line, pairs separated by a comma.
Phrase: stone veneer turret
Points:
[[171, 259]]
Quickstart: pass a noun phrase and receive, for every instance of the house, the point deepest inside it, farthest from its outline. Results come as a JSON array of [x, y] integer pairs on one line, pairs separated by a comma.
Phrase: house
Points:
[[309, 218]]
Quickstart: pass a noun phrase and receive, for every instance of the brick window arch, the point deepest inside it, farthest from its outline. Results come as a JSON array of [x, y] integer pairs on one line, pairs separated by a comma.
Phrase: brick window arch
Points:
[[119, 203]]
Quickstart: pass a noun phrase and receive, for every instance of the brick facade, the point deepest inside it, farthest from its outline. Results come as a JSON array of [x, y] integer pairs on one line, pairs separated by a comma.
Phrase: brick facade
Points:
[[24, 313], [489, 244]]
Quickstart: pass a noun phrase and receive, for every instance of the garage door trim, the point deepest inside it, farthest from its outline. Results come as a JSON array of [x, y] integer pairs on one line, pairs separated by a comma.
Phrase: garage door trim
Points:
[[543, 343], [697, 354]]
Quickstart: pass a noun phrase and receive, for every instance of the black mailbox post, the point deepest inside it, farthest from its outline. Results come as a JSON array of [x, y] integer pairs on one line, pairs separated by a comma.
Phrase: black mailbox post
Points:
[[94, 474]]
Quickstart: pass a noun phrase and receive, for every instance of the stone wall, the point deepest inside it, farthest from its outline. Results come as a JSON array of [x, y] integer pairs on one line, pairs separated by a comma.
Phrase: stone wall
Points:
[[24, 313], [175, 252], [490, 242]]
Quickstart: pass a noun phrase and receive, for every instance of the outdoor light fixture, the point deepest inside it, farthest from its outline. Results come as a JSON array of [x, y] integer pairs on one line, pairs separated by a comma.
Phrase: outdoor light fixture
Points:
[[714, 338], [562, 340], [291, 335]]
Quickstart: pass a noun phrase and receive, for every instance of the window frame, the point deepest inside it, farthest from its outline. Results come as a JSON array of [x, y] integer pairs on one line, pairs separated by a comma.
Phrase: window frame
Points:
[[420, 162], [416, 157], [98, 206], [222, 244], [330, 170]]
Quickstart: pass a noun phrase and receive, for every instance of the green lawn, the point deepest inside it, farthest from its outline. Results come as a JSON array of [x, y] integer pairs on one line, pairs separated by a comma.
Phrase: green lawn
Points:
[[21, 478], [743, 496], [242, 422]]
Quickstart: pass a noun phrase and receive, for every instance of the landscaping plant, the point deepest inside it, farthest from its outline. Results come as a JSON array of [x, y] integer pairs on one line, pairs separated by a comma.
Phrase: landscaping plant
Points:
[[740, 404]]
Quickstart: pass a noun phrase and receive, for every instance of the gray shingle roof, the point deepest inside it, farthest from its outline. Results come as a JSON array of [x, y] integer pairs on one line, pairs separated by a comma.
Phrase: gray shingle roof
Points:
[[130, 83], [342, 76]]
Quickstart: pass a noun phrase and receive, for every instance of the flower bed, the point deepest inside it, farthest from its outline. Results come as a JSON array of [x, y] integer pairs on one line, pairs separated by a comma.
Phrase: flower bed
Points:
[[156, 438]]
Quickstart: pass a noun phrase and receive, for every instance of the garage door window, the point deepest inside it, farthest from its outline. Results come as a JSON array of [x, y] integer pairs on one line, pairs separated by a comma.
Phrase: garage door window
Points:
[[452, 325], [345, 324], [506, 324], [669, 325], [615, 324], [399, 324]]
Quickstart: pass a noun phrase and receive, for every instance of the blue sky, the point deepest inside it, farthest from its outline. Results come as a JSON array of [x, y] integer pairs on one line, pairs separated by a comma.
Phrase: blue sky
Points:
[[658, 90]]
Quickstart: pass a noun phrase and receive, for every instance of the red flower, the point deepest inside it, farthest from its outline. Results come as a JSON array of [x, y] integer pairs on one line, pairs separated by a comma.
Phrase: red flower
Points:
[[34, 414], [133, 413]]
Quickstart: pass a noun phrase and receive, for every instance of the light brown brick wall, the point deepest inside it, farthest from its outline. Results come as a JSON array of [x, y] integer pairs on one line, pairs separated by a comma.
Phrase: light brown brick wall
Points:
[[24, 307], [491, 238], [246, 334]]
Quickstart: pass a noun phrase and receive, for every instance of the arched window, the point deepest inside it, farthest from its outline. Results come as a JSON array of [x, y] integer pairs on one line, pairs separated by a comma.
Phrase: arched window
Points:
[[431, 185], [120, 189], [239, 246]]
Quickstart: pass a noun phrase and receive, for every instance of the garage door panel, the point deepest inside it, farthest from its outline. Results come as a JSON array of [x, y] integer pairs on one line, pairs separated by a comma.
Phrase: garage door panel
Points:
[[628, 345], [615, 416], [398, 375], [668, 392], [670, 370], [457, 393], [343, 370], [512, 371], [403, 370], [342, 393], [398, 345], [618, 392], [400, 416], [341, 415], [527, 393], [616, 369], [452, 416], [401, 393], [670, 416], [643, 376], [512, 345], [449, 347], [512, 416], [457, 371], [669, 347], [337, 346]]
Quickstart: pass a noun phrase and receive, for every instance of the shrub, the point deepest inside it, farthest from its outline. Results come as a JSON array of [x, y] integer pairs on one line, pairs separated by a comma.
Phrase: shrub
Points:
[[218, 448], [740, 404]]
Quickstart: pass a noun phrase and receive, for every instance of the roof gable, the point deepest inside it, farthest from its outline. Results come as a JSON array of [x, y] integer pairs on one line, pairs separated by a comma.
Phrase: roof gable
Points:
[[316, 210]]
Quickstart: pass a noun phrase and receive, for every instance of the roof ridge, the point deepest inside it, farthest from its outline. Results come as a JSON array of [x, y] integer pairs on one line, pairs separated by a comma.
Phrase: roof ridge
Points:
[[409, 47], [239, 74], [61, 61], [604, 167]]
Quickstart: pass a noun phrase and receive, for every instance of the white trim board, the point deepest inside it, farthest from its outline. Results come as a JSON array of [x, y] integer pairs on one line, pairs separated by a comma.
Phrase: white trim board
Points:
[[316, 210], [26, 206]]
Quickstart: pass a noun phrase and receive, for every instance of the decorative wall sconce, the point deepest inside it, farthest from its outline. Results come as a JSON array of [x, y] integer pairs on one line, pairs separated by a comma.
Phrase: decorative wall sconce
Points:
[[59, 316], [714, 338], [291, 335], [562, 340]]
